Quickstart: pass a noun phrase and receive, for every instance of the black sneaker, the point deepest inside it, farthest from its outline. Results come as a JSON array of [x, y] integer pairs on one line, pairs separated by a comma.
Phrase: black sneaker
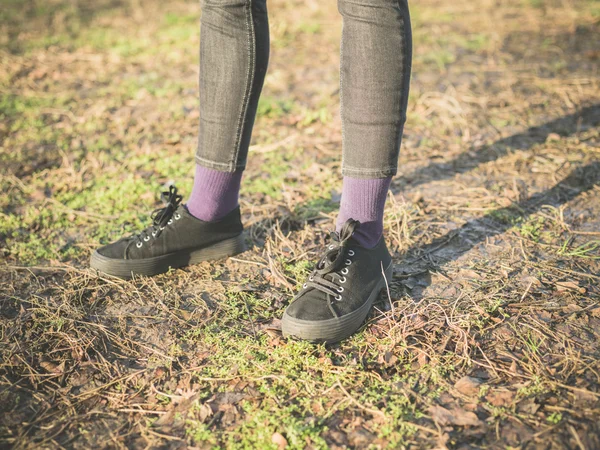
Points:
[[335, 300], [175, 239]]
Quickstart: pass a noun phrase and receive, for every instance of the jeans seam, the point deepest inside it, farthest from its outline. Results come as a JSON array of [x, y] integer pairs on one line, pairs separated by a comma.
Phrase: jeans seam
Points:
[[362, 170], [341, 94], [400, 127], [249, 82], [213, 164]]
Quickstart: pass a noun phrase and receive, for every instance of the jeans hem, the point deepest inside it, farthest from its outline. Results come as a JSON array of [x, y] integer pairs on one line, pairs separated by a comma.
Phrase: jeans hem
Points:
[[222, 167], [355, 172]]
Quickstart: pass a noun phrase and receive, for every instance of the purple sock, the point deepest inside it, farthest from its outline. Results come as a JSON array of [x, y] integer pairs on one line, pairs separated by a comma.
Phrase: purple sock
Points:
[[215, 193], [364, 200]]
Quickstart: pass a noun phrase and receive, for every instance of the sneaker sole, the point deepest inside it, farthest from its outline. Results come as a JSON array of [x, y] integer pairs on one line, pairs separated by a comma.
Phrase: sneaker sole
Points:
[[127, 268], [333, 330]]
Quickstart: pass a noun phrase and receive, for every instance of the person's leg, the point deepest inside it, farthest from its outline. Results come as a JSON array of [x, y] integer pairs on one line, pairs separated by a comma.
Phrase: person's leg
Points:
[[376, 53], [374, 78], [234, 54]]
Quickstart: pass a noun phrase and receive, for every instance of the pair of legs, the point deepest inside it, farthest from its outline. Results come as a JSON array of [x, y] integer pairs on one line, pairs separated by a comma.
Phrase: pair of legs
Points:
[[374, 77], [374, 83]]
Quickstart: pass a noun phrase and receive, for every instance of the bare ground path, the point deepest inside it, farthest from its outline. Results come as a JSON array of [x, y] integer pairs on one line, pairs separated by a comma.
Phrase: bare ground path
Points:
[[489, 334]]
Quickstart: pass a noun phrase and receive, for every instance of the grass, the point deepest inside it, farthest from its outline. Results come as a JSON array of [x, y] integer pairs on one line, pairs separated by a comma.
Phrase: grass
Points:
[[492, 222]]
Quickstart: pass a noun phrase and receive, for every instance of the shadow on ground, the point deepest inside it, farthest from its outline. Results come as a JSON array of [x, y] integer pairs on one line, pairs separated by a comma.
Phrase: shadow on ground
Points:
[[468, 160]]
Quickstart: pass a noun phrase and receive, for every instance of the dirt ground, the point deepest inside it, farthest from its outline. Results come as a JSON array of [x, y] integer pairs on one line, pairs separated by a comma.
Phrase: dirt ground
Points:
[[489, 334]]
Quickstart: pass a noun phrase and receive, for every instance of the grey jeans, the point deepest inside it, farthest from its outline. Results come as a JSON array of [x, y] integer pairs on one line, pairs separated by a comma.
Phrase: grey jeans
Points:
[[376, 52]]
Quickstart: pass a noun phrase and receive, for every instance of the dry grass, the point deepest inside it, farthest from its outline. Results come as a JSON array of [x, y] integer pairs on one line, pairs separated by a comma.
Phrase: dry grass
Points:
[[488, 335]]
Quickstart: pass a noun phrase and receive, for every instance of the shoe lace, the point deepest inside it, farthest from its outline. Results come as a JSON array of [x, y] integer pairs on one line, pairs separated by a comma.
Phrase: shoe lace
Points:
[[331, 269], [161, 217]]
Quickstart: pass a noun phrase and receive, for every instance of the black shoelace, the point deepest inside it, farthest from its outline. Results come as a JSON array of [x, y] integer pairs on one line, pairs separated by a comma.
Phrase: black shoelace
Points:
[[331, 270], [161, 217]]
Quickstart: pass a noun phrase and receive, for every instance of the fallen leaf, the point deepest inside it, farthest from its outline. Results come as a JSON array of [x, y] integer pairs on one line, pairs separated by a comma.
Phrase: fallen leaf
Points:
[[51, 367], [279, 440], [205, 412], [468, 274], [562, 286], [468, 385], [455, 416], [500, 398], [572, 308]]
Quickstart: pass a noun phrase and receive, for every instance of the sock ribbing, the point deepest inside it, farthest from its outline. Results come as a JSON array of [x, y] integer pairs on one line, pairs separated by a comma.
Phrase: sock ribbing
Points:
[[364, 200], [215, 193]]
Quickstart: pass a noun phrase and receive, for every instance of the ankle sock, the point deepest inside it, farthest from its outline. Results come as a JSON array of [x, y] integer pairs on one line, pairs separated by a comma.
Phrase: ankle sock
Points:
[[215, 193], [364, 200]]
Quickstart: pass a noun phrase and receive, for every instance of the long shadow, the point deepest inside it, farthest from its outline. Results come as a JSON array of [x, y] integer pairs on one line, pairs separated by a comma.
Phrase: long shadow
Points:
[[457, 242], [468, 160]]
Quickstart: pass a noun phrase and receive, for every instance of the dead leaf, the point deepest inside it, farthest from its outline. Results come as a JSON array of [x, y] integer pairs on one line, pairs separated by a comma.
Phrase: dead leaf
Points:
[[530, 281], [572, 308], [205, 412], [595, 312], [469, 274], [456, 416], [500, 398], [562, 286], [468, 385], [422, 358], [279, 440], [387, 359], [51, 367]]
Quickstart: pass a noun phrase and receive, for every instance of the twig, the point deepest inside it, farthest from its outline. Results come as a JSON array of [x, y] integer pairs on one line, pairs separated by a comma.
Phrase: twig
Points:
[[576, 436], [364, 408]]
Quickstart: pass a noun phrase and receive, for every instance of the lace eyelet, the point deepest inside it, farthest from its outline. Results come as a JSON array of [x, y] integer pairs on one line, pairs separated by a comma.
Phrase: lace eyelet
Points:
[[338, 298], [341, 289], [344, 271], [162, 228], [330, 247], [177, 216], [351, 252], [304, 286], [139, 245], [154, 234], [147, 238], [311, 278], [343, 280], [348, 262], [170, 221]]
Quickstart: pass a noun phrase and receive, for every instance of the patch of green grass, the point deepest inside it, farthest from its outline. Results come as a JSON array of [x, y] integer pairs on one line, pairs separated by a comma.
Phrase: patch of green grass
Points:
[[270, 182], [423, 15], [532, 228], [307, 27], [273, 108], [554, 418], [477, 42], [200, 434], [299, 270], [441, 58], [536, 3], [508, 216], [310, 116], [178, 20], [313, 208], [586, 250], [533, 388], [81, 30], [260, 423]]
